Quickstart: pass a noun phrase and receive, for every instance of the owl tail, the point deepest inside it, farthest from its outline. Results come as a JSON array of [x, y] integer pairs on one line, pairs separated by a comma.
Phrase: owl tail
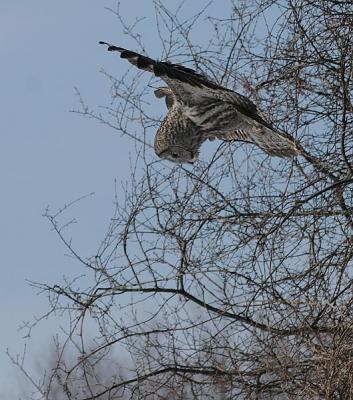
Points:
[[275, 143]]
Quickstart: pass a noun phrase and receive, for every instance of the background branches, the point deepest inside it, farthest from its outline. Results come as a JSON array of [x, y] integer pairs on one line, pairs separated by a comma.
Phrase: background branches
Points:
[[233, 278]]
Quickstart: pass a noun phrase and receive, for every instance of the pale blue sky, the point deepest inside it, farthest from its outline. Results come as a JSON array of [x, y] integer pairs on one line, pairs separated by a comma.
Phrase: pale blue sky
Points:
[[49, 156]]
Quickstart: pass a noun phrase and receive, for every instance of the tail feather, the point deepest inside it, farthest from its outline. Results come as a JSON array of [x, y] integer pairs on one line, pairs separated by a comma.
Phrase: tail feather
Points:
[[269, 140], [275, 143]]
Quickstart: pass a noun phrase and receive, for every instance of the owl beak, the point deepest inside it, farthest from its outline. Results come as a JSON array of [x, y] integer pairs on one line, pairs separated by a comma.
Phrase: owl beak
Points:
[[193, 158]]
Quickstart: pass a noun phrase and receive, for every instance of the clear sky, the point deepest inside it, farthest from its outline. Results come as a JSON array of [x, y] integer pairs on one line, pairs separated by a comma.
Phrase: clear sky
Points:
[[49, 156]]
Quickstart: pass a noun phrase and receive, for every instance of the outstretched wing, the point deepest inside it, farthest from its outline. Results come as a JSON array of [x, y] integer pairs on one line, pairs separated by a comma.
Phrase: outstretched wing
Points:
[[189, 86], [186, 84]]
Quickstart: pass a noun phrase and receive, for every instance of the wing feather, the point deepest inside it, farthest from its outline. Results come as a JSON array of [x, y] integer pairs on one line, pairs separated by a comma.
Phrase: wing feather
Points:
[[184, 82]]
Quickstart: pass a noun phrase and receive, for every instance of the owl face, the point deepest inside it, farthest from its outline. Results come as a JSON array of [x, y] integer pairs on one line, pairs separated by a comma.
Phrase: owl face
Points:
[[179, 154]]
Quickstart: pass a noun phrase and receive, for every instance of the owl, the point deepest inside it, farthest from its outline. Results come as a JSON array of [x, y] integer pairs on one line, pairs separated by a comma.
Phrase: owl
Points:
[[200, 110]]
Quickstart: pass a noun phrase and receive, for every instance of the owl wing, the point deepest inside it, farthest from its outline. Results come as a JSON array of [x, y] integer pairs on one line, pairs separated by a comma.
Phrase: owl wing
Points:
[[187, 85]]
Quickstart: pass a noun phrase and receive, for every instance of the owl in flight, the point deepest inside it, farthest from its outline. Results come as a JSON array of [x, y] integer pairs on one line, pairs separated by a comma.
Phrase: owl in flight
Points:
[[199, 109]]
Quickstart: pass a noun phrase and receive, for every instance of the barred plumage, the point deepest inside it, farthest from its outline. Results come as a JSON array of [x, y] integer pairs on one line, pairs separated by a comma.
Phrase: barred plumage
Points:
[[178, 138], [200, 109]]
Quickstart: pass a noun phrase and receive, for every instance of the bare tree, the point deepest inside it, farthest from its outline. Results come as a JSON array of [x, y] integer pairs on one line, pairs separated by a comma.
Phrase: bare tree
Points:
[[233, 278]]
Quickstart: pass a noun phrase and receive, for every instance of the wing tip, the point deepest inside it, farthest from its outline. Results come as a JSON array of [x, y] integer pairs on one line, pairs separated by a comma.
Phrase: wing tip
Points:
[[104, 43], [111, 47]]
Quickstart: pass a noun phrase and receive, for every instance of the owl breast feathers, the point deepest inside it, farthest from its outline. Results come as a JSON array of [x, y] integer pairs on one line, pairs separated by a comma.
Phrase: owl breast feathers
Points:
[[199, 109]]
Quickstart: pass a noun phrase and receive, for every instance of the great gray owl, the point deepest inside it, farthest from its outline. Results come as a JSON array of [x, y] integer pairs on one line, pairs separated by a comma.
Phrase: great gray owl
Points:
[[199, 109]]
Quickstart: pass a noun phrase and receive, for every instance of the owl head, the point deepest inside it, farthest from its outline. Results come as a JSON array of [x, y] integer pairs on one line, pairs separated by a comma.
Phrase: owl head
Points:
[[178, 139], [179, 154]]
